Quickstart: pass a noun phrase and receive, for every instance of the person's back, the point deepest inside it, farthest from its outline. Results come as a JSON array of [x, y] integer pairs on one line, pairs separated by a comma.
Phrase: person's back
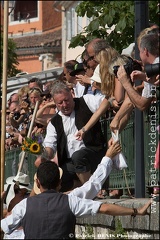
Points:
[[54, 208]]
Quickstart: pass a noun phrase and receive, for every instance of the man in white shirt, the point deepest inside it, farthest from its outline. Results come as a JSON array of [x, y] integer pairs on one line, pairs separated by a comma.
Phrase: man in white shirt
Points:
[[52, 215], [78, 159]]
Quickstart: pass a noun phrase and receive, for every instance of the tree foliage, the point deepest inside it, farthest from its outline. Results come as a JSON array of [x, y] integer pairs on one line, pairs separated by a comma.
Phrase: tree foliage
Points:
[[12, 58], [106, 14]]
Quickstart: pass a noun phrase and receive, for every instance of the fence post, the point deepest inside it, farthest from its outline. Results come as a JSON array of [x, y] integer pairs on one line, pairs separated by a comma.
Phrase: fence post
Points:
[[141, 22]]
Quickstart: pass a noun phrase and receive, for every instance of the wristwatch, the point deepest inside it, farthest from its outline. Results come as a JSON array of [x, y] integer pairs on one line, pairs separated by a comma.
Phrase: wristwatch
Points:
[[83, 130]]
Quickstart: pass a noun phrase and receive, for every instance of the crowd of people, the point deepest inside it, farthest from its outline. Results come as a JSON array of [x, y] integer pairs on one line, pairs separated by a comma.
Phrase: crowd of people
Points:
[[69, 110]]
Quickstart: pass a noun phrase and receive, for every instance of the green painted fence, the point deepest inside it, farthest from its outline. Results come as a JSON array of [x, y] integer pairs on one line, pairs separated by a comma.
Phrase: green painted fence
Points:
[[124, 179]]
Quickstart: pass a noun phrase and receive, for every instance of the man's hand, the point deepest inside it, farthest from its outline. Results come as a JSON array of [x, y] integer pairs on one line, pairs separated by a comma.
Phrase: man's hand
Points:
[[11, 115], [113, 150], [82, 79], [24, 107], [138, 75], [122, 75]]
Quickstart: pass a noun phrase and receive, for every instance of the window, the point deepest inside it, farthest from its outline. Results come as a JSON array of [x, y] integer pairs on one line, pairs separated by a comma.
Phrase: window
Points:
[[79, 24], [68, 22], [74, 23], [24, 10]]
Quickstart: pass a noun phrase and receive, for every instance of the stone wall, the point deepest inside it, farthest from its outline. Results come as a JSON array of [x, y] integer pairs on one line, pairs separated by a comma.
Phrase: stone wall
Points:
[[121, 227]]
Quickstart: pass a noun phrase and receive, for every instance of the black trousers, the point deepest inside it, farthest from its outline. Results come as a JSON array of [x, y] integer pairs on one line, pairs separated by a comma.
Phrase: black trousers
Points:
[[83, 160]]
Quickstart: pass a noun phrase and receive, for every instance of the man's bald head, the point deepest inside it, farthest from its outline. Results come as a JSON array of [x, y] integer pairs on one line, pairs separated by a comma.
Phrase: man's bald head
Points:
[[95, 46]]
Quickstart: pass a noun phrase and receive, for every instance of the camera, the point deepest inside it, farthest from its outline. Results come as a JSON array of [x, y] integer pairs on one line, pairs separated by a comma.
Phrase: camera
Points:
[[152, 69], [129, 67], [16, 115]]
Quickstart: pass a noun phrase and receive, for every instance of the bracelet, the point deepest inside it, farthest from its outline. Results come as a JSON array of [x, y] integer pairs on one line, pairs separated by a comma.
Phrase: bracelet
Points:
[[83, 130], [134, 212]]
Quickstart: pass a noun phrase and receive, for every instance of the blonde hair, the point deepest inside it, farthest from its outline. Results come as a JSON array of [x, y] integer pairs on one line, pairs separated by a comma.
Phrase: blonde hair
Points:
[[104, 57], [23, 90], [36, 90], [117, 61]]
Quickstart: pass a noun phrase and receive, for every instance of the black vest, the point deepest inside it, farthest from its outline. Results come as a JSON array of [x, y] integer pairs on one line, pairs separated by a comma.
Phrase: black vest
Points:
[[48, 216], [93, 138]]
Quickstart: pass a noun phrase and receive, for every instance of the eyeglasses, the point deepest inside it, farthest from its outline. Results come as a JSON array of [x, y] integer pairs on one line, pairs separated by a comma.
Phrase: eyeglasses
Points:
[[89, 59]]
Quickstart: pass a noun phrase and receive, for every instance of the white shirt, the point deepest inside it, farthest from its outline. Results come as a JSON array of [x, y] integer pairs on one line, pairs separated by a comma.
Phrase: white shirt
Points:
[[70, 128], [16, 234], [78, 90], [78, 199], [148, 87]]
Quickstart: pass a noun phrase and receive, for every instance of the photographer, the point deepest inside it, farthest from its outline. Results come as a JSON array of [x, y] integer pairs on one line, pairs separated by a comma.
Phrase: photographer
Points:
[[15, 118], [149, 54], [149, 75], [19, 116]]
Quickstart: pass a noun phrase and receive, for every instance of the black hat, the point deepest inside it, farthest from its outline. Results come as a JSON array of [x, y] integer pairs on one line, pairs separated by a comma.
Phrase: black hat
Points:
[[77, 68]]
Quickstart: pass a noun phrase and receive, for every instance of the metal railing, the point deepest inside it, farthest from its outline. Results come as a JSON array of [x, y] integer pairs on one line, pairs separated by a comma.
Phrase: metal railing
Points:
[[123, 179]]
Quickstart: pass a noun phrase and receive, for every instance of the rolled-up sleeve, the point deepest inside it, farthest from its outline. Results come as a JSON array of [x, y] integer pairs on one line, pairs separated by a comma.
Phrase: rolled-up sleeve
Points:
[[83, 207], [90, 188], [13, 221], [51, 137]]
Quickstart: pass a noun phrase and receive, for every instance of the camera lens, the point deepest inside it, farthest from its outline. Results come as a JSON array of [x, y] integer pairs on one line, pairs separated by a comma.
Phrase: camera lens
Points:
[[16, 115], [115, 70], [152, 69]]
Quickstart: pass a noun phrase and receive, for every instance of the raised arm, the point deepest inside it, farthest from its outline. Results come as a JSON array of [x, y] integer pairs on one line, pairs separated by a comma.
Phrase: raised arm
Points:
[[95, 117], [121, 118], [140, 102], [43, 118], [90, 189]]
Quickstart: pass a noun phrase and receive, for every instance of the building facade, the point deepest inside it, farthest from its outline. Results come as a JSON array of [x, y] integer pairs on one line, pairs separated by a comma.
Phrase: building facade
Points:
[[35, 27], [71, 26]]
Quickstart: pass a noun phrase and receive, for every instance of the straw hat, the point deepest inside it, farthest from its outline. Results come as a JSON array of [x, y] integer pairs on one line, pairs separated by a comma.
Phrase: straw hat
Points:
[[36, 189], [21, 180]]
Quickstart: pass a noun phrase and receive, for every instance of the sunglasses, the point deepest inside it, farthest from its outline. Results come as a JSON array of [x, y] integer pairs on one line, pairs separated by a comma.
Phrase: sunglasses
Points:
[[89, 59], [35, 89]]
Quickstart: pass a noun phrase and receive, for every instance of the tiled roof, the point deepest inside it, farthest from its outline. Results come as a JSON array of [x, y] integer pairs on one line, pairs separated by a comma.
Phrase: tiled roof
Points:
[[38, 40]]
